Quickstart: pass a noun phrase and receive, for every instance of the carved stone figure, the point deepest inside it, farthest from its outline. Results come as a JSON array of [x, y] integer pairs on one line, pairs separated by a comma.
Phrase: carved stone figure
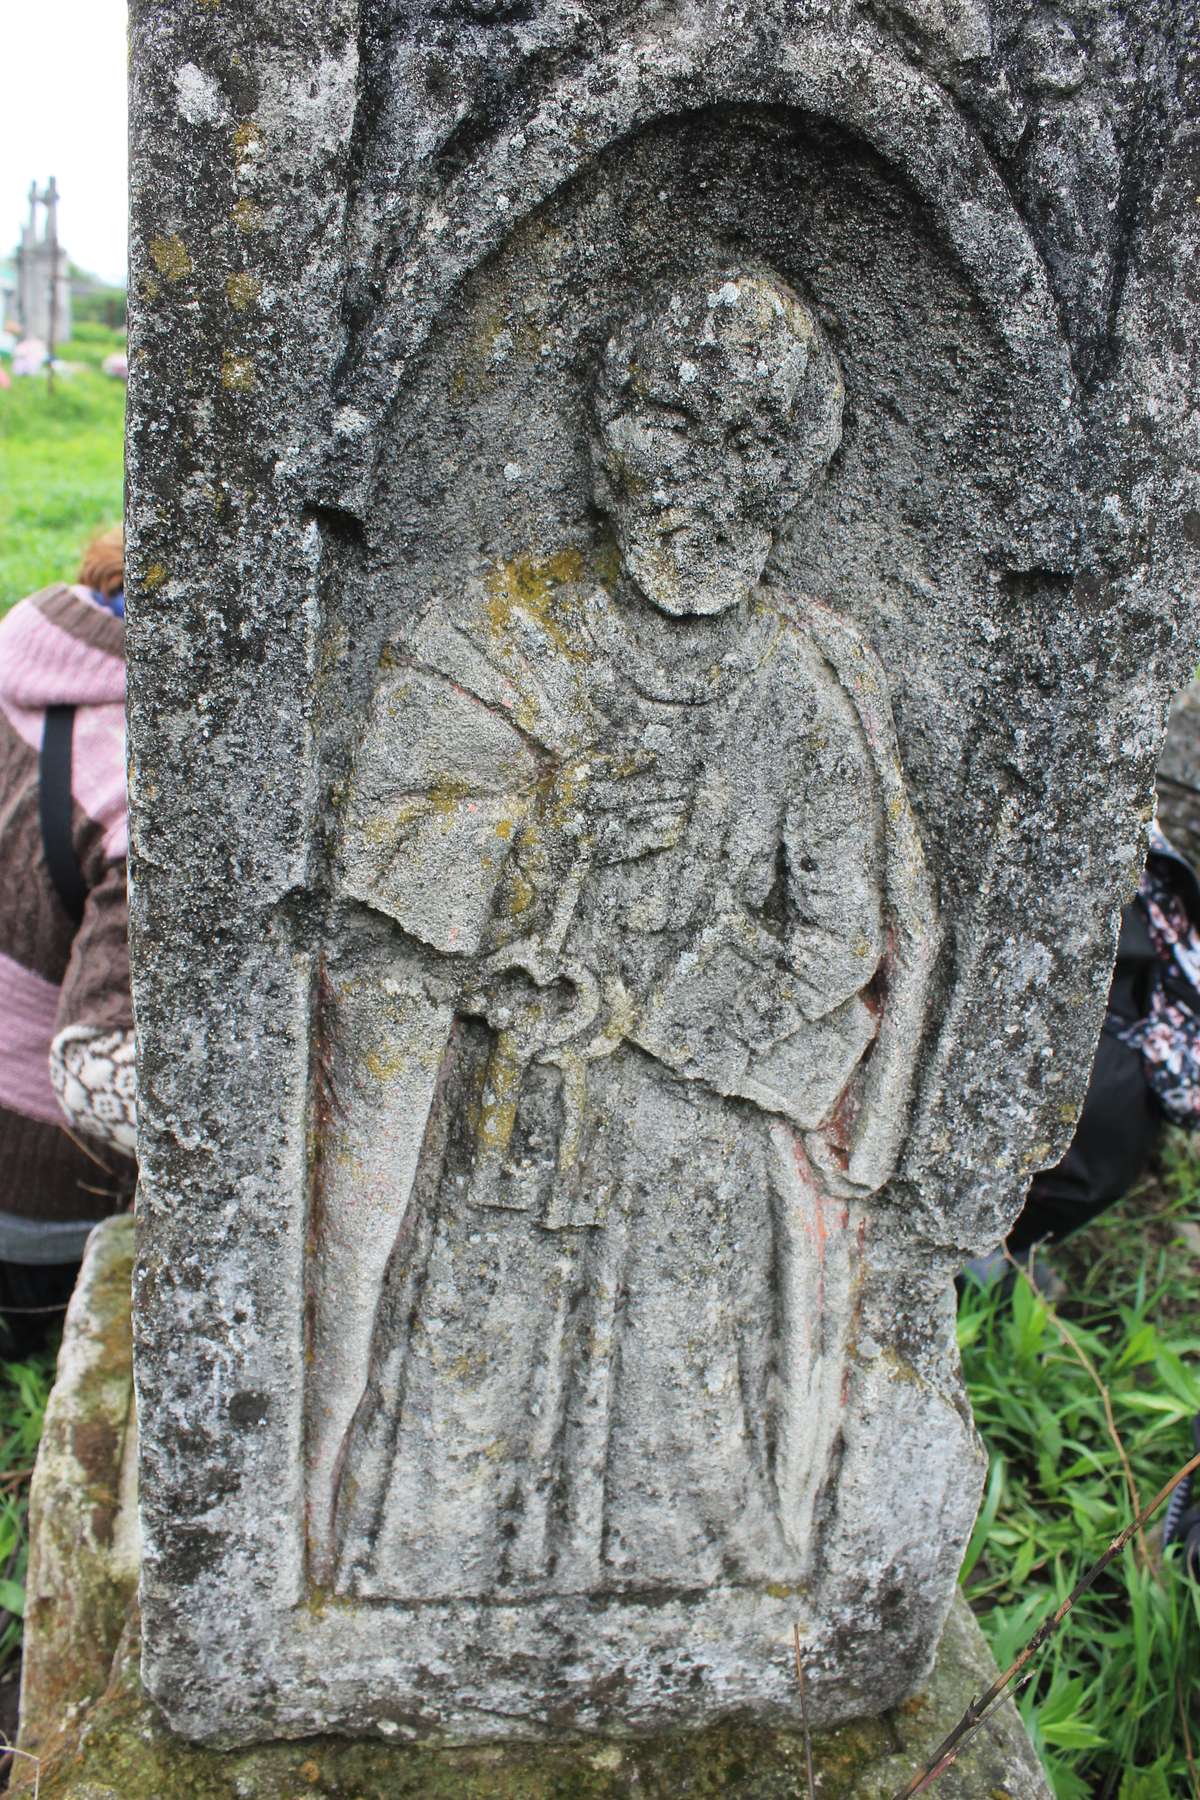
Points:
[[649, 854], [659, 544]]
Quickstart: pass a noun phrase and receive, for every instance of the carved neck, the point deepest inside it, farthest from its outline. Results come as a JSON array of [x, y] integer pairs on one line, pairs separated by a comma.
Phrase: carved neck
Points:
[[690, 659]]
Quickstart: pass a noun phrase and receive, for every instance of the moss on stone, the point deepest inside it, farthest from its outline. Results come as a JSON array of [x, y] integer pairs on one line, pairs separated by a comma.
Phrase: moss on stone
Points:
[[78, 1589]]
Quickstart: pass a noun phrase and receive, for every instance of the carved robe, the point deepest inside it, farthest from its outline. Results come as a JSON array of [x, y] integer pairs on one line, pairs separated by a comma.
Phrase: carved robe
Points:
[[602, 1356]]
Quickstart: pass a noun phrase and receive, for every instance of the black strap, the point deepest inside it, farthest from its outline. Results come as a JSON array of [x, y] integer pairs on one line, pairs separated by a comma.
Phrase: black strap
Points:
[[54, 809]]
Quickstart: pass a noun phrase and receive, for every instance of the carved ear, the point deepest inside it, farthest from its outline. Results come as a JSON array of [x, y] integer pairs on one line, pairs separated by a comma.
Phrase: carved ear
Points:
[[602, 492], [603, 469], [816, 429]]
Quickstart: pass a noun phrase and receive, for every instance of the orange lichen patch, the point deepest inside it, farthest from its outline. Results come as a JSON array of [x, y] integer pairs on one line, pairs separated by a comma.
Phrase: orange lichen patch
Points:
[[247, 216], [1036, 1157], [447, 797], [385, 1064], [246, 140], [498, 1111]]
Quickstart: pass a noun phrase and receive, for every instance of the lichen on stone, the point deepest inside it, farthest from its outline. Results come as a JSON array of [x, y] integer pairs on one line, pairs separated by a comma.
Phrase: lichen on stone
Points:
[[170, 257]]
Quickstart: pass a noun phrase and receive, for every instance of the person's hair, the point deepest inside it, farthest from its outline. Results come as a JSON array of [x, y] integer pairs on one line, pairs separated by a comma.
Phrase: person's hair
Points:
[[103, 565]]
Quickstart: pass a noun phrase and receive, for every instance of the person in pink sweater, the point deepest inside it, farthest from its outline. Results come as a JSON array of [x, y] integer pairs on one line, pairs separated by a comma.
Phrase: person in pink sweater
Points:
[[67, 1084]]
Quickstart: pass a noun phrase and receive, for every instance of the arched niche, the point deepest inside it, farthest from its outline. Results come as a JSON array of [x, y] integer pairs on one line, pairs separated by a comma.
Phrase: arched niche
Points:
[[954, 472], [485, 176]]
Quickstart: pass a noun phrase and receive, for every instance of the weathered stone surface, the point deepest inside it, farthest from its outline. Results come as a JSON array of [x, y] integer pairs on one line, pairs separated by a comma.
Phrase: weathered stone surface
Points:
[[120, 1749], [83, 1546], [96, 1734], [657, 539]]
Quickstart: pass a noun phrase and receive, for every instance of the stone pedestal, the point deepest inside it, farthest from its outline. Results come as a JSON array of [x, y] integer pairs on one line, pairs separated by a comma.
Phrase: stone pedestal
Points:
[[86, 1715], [83, 1534]]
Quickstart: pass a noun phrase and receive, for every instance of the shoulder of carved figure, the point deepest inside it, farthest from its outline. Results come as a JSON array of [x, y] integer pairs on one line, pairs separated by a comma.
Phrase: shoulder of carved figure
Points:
[[818, 657], [522, 604], [839, 639], [450, 637], [451, 644], [524, 623], [844, 648]]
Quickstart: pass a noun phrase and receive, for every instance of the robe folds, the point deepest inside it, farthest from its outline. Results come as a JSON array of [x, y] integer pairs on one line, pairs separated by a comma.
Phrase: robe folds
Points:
[[664, 937]]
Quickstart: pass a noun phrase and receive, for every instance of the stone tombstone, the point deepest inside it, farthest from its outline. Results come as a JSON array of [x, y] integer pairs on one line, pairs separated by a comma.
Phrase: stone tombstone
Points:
[[659, 547], [43, 271]]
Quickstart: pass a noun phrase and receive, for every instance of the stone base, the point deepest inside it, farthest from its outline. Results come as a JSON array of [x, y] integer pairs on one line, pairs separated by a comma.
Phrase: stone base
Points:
[[97, 1736], [118, 1749]]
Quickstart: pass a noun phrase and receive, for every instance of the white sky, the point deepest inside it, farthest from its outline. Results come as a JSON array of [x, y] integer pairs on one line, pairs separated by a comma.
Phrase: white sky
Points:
[[63, 114]]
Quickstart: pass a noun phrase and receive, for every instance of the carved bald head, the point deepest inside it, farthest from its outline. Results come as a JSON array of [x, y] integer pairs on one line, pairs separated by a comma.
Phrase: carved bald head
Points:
[[716, 407]]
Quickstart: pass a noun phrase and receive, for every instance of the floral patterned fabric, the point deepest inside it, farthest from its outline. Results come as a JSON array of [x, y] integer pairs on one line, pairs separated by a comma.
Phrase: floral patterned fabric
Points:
[[1169, 1036], [94, 1076]]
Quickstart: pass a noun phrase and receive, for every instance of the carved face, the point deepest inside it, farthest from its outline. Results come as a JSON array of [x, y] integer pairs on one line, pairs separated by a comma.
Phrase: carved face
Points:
[[714, 413]]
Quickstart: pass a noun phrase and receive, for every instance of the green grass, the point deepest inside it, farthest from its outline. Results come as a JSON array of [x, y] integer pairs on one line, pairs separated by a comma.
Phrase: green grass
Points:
[[1107, 1704], [60, 465], [24, 1390]]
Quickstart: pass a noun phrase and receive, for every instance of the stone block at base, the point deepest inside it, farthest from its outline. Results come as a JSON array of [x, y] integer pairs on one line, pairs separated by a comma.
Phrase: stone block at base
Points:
[[107, 1741], [119, 1749]]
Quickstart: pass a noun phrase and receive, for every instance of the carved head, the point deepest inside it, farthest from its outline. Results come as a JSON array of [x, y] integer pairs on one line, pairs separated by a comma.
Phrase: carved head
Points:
[[716, 407]]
